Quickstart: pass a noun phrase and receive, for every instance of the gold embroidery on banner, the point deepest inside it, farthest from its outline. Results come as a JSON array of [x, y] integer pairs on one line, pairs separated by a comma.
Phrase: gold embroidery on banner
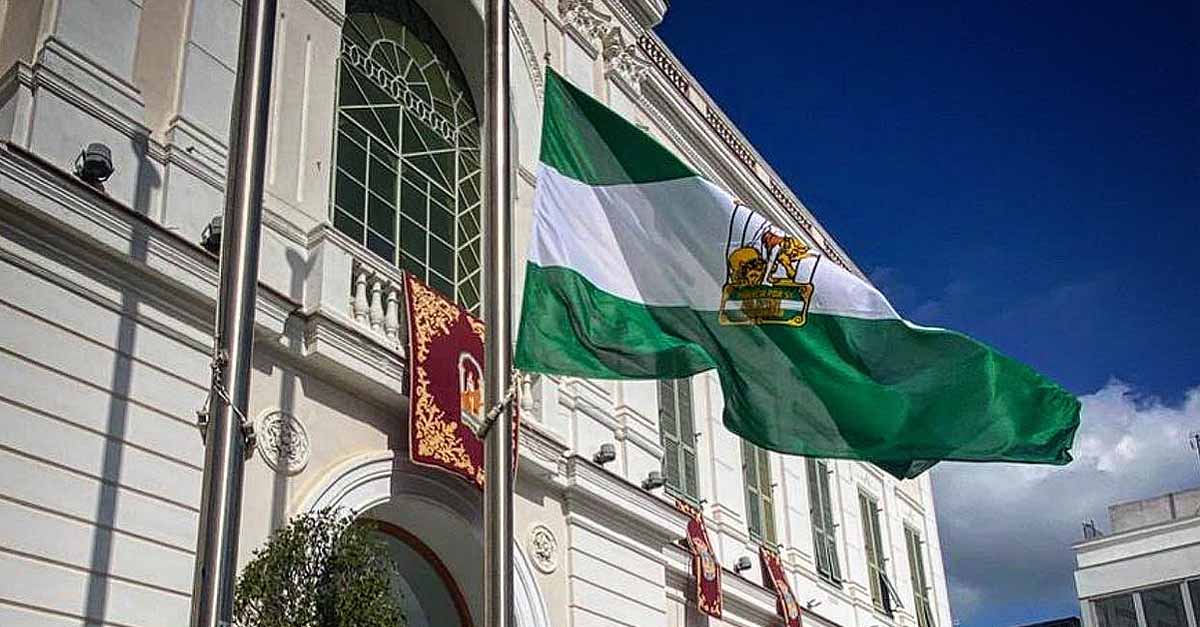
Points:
[[437, 438]]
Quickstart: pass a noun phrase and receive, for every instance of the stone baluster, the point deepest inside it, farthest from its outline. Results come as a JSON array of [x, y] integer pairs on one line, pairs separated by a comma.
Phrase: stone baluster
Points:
[[391, 321], [359, 305], [377, 304]]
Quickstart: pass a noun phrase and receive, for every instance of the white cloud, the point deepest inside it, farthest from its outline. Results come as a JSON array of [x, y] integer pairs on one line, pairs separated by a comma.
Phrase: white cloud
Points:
[[1007, 528]]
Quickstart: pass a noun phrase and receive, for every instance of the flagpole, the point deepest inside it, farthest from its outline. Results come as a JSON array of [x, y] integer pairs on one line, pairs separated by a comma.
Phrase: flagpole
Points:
[[497, 299], [225, 438]]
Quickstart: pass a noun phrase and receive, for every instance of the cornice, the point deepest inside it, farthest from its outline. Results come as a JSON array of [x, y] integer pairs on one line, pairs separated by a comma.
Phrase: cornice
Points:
[[50, 197]]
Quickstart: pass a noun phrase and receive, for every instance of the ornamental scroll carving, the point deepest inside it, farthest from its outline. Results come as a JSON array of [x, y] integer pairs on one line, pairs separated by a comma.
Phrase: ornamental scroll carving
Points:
[[599, 28]]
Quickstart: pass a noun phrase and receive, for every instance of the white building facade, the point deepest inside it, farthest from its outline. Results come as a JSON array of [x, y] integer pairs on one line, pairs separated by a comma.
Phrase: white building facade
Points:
[[1146, 572], [107, 305]]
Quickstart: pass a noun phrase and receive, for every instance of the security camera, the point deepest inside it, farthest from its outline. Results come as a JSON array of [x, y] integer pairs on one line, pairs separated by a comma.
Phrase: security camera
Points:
[[94, 164]]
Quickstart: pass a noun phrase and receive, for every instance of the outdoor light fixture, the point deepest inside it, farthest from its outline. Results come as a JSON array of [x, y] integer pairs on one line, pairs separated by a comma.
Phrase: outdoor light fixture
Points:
[[606, 454], [94, 164], [210, 239], [653, 481], [811, 604], [742, 563]]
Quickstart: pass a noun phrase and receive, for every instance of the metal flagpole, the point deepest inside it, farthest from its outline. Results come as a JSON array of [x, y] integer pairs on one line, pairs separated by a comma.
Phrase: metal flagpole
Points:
[[497, 292], [227, 431]]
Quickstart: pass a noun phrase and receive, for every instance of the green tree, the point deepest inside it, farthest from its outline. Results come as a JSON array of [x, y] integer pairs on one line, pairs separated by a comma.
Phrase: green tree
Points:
[[319, 570]]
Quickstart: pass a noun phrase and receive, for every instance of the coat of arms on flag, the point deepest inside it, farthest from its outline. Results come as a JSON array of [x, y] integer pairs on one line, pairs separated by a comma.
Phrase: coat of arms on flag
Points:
[[705, 569], [445, 375], [775, 579], [768, 274]]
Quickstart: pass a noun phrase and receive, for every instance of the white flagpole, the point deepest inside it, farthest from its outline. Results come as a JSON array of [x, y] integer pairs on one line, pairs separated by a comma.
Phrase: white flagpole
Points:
[[497, 299], [226, 433]]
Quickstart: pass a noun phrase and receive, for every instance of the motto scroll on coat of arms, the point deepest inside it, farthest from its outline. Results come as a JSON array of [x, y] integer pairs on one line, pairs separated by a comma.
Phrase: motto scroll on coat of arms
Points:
[[445, 376], [768, 274]]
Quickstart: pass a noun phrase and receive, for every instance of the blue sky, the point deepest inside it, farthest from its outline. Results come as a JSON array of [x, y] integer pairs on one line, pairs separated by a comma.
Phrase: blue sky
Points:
[[1028, 173]]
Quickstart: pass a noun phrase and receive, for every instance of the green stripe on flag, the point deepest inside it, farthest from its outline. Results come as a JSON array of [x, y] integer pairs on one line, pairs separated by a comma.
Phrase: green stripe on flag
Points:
[[587, 141], [874, 390]]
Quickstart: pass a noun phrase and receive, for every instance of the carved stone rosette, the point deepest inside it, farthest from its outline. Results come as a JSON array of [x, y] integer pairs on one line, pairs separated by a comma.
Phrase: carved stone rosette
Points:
[[543, 548], [283, 442]]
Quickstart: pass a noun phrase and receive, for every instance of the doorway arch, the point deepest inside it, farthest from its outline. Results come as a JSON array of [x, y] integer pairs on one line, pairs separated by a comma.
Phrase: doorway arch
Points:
[[442, 511]]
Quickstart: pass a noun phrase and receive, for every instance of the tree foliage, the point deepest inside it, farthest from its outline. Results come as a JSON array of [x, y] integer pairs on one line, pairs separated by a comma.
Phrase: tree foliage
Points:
[[319, 570]]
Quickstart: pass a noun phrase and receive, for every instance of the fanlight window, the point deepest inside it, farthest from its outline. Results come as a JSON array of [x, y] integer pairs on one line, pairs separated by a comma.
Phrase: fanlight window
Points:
[[407, 148]]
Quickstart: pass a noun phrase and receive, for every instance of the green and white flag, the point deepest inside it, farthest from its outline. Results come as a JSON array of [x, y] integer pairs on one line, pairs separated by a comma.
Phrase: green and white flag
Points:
[[639, 268]]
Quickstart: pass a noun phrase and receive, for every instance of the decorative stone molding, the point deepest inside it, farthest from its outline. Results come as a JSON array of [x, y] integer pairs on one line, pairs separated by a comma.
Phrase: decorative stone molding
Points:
[[543, 548], [283, 442], [585, 18], [532, 64], [621, 59]]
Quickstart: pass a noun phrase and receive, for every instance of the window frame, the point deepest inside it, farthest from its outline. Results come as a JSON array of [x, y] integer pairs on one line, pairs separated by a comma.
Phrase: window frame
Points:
[[922, 597], [824, 529], [759, 493], [1187, 600], [883, 594], [677, 434], [427, 221]]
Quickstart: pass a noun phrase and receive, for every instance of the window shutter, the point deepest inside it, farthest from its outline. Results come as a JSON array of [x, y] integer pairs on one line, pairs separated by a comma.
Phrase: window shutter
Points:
[[750, 479], [687, 438], [668, 427], [766, 492], [830, 529]]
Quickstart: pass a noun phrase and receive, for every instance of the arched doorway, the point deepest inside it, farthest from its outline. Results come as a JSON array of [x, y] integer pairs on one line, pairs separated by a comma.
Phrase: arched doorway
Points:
[[429, 594], [441, 511]]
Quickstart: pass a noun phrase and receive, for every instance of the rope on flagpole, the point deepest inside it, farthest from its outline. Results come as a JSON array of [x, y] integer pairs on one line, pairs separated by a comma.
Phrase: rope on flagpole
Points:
[[219, 360], [517, 379]]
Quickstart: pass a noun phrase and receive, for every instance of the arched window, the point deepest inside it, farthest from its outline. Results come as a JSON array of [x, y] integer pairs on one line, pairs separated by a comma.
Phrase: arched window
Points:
[[407, 152]]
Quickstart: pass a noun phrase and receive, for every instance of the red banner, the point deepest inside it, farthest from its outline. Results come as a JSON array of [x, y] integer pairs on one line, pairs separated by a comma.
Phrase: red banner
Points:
[[775, 579], [445, 383], [705, 569]]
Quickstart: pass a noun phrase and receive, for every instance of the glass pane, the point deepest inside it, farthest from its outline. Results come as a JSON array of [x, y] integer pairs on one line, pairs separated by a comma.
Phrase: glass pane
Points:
[[1116, 612], [351, 157], [412, 199], [441, 258], [382, 218], [1164, 606], [412, 239], [385, 248], [441, 285], [343, 222], [383, 177], [441, 223], [348, 194], [1194, 592]]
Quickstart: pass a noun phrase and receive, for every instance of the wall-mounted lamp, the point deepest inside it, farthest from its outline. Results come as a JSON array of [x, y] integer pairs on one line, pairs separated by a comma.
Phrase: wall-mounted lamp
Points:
[[210, 239], [94, 164], [742, 564], [811, 604], [653, 481], [606, 454]]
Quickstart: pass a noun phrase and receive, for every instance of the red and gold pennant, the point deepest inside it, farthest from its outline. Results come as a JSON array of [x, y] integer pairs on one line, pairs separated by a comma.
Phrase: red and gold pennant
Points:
[[705, 569], [775, 579], [445, 383]]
